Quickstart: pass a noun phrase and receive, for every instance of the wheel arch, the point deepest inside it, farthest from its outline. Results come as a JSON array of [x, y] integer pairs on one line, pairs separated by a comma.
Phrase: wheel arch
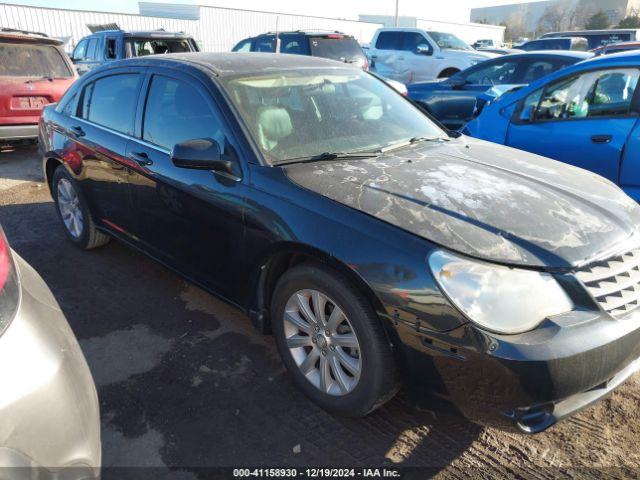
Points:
[[281, 258], [50, 165], [448, 71]]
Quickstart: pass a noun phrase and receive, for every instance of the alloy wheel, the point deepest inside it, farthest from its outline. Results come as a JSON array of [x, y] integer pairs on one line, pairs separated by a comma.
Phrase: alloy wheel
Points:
[[322, 342], [69, 206]]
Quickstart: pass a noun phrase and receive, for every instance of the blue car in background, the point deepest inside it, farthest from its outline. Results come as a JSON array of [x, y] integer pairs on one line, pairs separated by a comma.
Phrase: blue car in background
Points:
[[585, 115], [451, 101]]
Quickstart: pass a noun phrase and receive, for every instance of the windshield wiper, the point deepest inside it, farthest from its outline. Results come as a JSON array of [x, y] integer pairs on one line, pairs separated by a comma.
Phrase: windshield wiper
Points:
[[411, 141], [330, 156]]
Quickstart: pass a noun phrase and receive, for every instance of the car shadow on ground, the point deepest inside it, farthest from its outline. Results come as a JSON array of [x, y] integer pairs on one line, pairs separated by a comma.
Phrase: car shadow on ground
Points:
[[185, 381]]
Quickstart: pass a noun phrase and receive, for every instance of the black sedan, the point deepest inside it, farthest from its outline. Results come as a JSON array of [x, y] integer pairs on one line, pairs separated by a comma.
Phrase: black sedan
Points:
[[374, 246], [452, 100]]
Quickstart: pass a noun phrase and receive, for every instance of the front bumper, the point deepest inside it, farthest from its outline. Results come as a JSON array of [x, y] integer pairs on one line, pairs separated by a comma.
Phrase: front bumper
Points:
[[49, 413], [528, 381], [18, 132]]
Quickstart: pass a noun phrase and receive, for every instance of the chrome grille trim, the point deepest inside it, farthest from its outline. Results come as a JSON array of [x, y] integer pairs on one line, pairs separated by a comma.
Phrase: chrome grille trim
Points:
[[614, 283]]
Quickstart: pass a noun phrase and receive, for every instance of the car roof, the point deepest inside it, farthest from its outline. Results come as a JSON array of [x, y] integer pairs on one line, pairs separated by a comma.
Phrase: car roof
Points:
[[553, 53], [142, 33], [27, 36], [230, 63], [319, 33]]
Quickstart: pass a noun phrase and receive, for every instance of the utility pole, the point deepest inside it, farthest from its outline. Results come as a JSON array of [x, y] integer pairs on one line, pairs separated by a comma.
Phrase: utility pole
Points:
[[396, 18]]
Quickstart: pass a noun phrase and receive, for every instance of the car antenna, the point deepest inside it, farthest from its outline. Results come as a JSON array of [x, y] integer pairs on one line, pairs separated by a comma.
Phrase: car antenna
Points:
[[277, 36]]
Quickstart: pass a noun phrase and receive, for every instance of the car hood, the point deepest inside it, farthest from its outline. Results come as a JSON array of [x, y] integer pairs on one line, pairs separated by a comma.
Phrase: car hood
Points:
[[428, 86], [485, 200]]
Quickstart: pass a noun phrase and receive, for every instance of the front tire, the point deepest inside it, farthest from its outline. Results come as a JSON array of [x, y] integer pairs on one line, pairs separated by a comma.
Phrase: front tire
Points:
[[332, 342], [74, 213]]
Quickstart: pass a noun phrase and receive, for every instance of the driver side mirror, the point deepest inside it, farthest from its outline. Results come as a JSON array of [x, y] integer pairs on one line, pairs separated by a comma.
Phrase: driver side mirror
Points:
[[200, 154], [423, 49], [457, 81]]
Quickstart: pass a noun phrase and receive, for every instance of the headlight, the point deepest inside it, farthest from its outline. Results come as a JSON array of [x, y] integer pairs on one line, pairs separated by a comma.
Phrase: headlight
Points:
[[497, 298]]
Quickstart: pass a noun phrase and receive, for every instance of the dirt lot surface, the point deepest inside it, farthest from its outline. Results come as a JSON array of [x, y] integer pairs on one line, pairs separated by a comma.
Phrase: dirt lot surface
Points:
[[185, 382]]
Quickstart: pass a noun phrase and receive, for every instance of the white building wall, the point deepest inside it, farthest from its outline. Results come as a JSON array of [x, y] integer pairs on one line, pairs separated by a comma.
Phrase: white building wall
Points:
[[218, 29], [469, 32]]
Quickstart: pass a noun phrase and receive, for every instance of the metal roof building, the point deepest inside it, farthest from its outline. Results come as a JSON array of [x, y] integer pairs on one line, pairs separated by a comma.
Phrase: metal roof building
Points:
[[215, 29]]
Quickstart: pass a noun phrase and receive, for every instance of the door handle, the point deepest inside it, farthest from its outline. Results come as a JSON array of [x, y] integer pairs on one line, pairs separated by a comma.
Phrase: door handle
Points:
[[373, 57], [77, 131], [141, 159], [601, 138]]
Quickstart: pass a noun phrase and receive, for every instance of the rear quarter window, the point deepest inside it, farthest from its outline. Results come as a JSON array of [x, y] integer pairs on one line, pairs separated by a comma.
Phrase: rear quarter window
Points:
[[32, 60]]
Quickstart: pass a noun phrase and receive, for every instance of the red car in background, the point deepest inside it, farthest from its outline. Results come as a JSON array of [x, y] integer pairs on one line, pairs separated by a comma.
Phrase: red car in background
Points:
[[616, 48], [34, 72]]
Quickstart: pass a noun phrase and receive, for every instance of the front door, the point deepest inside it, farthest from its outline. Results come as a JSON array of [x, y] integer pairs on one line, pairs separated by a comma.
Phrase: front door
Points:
[[584, 120], [190, 219]]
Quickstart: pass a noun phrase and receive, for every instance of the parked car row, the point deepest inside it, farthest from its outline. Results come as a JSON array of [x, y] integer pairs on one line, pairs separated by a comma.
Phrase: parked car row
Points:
[[379, 248]]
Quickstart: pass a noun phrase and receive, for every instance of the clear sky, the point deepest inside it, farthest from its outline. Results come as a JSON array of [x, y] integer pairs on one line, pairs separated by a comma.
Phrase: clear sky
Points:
[[452, 10]]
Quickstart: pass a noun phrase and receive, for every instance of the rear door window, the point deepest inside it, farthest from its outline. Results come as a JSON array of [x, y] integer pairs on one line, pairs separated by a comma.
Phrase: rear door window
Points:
[[537, 69], [32, 60], [336, 47], [266, 43], [100, 98], [389, 40], [175, 112], [294, 44]]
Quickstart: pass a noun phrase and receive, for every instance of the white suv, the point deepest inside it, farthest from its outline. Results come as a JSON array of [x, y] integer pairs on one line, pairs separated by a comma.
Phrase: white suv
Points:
[[413, 55]]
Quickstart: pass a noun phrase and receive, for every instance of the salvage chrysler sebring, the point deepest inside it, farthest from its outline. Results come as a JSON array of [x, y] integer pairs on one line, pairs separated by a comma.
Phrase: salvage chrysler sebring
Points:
[[374, 246]]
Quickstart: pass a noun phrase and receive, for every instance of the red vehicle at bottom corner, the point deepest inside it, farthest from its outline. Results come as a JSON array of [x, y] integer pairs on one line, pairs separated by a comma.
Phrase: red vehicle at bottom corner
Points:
[[34, 72]]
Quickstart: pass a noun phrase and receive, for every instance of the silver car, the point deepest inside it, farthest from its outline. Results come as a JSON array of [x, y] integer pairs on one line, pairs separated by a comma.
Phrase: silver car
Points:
[[49, 414]]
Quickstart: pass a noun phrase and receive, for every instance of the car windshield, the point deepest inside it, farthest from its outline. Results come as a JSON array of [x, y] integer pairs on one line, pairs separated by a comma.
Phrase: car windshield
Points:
[[31, 60], [141, 47], [304, 113], [449, 40]]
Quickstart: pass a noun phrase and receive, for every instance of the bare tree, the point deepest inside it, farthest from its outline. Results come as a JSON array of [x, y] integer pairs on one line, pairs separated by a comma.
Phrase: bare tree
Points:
[[557, 16]]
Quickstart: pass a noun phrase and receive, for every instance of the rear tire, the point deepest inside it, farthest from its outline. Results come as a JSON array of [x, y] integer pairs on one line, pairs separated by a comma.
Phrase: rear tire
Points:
[[350, 345], [74, 213]]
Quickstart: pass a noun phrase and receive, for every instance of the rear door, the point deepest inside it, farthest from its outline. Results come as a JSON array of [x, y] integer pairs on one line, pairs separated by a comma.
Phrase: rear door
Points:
[[190, 219], [584, 119], [99, 129]]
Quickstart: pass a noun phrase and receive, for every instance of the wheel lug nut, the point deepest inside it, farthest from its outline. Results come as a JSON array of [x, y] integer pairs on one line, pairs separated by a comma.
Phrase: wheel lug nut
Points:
[[317, 328], [314, 340], [327, 333]]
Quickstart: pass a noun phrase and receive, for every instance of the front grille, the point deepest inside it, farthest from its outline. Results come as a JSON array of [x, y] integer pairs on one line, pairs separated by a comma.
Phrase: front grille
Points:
[[614, 283]]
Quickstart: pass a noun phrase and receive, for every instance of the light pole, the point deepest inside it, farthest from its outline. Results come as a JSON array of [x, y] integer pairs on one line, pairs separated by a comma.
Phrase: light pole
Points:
[[396, 17]]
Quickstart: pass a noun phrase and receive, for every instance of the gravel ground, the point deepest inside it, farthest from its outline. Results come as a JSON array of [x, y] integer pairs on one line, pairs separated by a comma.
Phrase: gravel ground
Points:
[[185, 382]]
